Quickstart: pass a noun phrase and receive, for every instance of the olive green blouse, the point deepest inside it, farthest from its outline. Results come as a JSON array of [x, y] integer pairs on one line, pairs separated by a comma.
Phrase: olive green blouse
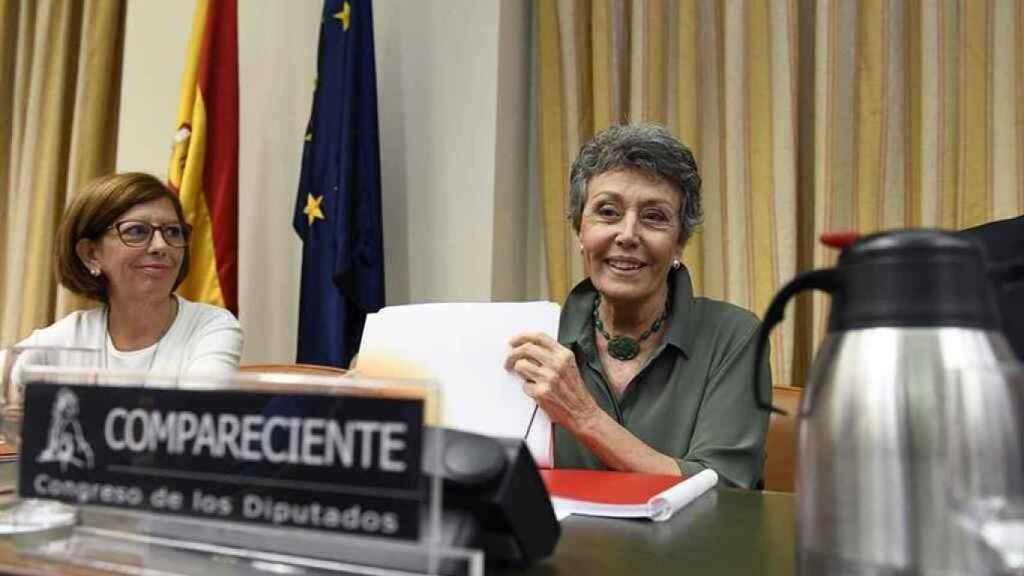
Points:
[[693, 399]]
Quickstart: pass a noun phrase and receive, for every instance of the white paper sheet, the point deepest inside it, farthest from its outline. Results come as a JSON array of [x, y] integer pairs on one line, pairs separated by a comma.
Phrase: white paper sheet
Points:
[[463, 347], [664, 505]]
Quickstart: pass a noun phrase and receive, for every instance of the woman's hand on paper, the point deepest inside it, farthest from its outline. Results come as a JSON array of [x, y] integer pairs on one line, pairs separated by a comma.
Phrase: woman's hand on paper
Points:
[[551, 377]]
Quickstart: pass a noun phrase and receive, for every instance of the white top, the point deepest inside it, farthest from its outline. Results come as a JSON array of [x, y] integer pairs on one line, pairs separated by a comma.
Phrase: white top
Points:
[[203, 339]]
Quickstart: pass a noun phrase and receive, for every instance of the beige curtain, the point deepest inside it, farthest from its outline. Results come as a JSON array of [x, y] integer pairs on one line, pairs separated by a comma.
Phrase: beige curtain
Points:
[[60, 66], [804, 115], [920, 109]]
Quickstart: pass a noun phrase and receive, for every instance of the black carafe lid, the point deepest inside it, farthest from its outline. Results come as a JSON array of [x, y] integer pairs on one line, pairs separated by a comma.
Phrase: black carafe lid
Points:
[[913, 278]]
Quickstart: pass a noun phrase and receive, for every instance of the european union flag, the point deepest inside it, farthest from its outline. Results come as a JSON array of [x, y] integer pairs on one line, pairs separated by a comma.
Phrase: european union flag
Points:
[[337, 212]]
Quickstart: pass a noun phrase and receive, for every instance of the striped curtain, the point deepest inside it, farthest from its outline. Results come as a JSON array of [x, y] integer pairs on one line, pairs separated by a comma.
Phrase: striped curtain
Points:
[[920, 109], [805, 116], [60, 84]]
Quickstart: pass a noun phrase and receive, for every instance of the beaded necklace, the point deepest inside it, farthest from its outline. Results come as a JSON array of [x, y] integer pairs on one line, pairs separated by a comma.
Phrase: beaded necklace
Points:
[[624, 348]]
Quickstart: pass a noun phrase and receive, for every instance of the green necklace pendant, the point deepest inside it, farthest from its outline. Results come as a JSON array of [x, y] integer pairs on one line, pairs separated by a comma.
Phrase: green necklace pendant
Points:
[[623, 348]]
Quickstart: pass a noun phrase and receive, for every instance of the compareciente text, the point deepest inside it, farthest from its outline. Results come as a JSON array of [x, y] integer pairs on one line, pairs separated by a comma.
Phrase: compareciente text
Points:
[[366, 444]]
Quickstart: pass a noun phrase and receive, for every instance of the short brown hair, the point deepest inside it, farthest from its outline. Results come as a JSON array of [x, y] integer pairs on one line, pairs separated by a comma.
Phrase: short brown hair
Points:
[[649, 149], [93, 210]]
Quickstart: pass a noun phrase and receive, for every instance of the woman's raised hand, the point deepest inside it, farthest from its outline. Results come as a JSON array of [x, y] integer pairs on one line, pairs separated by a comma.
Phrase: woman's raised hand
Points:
[[550, 377]]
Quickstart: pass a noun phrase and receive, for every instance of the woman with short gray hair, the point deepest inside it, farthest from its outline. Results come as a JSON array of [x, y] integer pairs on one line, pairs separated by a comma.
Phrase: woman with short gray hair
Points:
[[645, 377]]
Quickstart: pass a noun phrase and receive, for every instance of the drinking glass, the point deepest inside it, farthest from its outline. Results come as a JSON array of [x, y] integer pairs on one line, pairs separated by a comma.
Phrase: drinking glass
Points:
[[985, 450], [31, 514]]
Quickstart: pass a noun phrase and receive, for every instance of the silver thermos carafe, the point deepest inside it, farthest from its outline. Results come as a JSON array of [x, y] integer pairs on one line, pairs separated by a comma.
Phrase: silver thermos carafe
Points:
[[909, 309]]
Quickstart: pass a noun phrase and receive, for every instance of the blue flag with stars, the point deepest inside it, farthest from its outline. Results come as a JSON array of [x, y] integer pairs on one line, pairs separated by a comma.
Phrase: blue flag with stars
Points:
[[338, 209]]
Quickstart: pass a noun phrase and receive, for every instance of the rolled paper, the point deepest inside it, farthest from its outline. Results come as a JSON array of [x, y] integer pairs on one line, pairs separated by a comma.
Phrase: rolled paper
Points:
[[661, 507]]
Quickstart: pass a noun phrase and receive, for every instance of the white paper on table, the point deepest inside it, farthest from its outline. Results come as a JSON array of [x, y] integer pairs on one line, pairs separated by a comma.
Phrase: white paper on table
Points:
[[664, 505], [561, 513], [463, 347]]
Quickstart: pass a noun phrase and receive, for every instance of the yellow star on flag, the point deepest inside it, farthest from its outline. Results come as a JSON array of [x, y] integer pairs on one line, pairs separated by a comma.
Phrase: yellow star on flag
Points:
[[312, 209], [344, 15]]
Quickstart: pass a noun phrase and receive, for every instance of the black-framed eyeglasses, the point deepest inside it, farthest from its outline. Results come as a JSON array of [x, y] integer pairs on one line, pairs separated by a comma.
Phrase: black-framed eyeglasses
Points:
[[136, 233]]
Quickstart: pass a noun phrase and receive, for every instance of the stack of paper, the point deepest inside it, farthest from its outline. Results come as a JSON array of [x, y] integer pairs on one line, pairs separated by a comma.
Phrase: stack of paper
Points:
[[463, 347], [624, 494]]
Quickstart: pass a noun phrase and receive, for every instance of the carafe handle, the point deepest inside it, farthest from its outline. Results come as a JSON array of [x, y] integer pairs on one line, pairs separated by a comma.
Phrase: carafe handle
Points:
[[825, 280]]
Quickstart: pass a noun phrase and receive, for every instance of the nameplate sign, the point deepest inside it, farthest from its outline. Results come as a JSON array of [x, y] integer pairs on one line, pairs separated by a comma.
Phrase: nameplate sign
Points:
[[347, 464]]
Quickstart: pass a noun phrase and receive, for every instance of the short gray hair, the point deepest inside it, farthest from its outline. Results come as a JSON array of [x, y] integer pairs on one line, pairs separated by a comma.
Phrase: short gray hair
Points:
[[646, 148]]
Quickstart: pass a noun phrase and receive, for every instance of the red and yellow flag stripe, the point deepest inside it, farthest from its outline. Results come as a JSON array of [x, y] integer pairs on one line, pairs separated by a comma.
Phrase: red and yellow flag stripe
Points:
[[204, 164]]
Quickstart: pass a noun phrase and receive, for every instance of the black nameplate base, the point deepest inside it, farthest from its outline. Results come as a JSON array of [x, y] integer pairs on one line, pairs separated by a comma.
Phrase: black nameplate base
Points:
[[348, 464]]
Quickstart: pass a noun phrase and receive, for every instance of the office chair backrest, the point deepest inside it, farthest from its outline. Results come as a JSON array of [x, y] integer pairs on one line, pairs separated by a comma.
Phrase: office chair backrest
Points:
[[780, 459], [313, 369]]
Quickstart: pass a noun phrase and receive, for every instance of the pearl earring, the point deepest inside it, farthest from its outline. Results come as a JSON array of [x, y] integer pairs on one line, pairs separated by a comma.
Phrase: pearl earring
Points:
[[676, 264], [94, 272]]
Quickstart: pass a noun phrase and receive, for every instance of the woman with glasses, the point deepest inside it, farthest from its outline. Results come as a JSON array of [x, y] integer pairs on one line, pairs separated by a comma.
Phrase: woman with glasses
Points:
[[124, 243]]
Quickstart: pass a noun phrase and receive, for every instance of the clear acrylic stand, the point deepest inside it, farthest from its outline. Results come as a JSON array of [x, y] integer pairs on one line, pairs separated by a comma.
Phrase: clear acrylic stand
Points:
[[30, 515], [128, 541]]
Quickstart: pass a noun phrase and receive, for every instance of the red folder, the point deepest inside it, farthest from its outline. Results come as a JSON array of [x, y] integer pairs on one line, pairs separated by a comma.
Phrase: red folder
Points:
[[607, 487], [624, 494]]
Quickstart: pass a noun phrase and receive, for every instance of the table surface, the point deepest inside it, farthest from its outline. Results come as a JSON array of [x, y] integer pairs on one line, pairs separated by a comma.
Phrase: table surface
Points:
[[723, 532]]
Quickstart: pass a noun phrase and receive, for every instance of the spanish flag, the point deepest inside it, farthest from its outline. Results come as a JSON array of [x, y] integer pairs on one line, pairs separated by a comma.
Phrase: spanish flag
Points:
[[204, 164]]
